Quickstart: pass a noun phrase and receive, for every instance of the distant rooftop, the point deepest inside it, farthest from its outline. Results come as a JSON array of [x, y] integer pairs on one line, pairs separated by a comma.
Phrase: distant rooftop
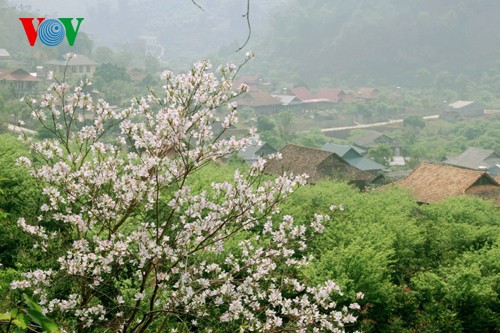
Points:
[[4, 53], [460, 104], [77, 60]]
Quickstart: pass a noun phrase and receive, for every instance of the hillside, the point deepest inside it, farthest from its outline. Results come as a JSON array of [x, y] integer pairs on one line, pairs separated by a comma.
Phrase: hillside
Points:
[[384, 42]]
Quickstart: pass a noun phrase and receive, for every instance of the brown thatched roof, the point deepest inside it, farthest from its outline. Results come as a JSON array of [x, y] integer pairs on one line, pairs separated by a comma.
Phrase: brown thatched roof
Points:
[[317, 163], [430, 183]]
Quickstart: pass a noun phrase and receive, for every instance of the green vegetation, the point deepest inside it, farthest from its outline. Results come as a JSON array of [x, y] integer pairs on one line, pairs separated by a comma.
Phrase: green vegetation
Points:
[[421, 268]]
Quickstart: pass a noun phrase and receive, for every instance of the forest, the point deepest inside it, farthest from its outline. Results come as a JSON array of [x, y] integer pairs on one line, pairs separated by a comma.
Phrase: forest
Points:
[[126, 207]]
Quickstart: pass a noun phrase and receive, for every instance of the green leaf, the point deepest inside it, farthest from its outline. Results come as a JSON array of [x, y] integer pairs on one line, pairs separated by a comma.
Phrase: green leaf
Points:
[[46, 324], [5, 316], [32, 304], [21, 321]]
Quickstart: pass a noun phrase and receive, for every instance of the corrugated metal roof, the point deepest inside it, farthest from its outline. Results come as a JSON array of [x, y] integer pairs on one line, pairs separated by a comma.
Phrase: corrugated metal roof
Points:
[[474, 158]]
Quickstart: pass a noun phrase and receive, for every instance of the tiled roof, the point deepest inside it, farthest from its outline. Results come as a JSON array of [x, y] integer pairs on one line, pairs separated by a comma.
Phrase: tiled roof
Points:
[[317, 163], [430, 183], [474, 158], [302, 93], [333, 95], [368, 139], [254, 151], [18, 75], [258, 98]]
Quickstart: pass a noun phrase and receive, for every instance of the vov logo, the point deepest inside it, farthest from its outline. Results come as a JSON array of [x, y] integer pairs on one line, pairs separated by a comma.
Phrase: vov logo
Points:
[[51, 31]]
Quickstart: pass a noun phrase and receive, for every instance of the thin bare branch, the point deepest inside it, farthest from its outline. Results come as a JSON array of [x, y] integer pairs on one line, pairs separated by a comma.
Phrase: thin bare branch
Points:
[[247, 15], [197, 5]]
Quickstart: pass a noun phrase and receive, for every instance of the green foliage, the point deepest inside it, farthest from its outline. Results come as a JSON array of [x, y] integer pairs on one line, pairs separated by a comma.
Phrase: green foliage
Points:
[[19, 196], [107, 73], [381, 154], [422, 268], [28, 318], [414, 122], [265, 124]]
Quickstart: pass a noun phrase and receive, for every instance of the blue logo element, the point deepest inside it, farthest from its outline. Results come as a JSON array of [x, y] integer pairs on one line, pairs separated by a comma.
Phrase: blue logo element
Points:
[[51, 32]]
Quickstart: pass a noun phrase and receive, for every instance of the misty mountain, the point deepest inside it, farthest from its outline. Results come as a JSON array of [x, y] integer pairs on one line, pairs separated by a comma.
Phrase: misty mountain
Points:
[[178, 27], [383, 41]]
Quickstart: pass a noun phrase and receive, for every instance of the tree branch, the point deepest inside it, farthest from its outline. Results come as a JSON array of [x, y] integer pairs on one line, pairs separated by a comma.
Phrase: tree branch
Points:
[[247, 15]]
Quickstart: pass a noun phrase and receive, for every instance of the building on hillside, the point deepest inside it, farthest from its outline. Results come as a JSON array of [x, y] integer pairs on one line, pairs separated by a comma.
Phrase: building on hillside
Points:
[[302, 94], [20, 81], [372, 138], [460, 110], [255, 151], [261, 101], [354, 157], [430, 183], [253, 82], [318, 164], [332, 95], [79, 64], [367, 93], [477, 159]]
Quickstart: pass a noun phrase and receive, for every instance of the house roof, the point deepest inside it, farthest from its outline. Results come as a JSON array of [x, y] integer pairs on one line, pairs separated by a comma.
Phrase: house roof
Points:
[[365, 164], [352, 155], [285, 99], [366, 93], [317, 163], [459, 104], [369, 137], [474, 158], [258, 98], [333, 95], [430, 183], [341, 150], [302, 94], [18, 75], [77, 60], [255, 151], [4, 53]]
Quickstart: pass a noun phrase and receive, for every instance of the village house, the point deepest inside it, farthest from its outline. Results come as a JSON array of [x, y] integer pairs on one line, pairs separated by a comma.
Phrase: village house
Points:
[[332, 95], [366, 93], [371, 138], [255, 151], [460, 110], [261, 101], [477, 159], [79, 64], [253, 82], [431, 183], [20, 81], [318, 164], [352, 155]]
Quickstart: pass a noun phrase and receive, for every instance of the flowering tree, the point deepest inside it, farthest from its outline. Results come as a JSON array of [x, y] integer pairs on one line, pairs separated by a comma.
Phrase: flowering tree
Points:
[[136, 248]]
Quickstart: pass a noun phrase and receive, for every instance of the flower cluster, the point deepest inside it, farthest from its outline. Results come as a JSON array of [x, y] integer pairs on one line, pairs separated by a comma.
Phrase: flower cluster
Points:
[[141, 247]]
